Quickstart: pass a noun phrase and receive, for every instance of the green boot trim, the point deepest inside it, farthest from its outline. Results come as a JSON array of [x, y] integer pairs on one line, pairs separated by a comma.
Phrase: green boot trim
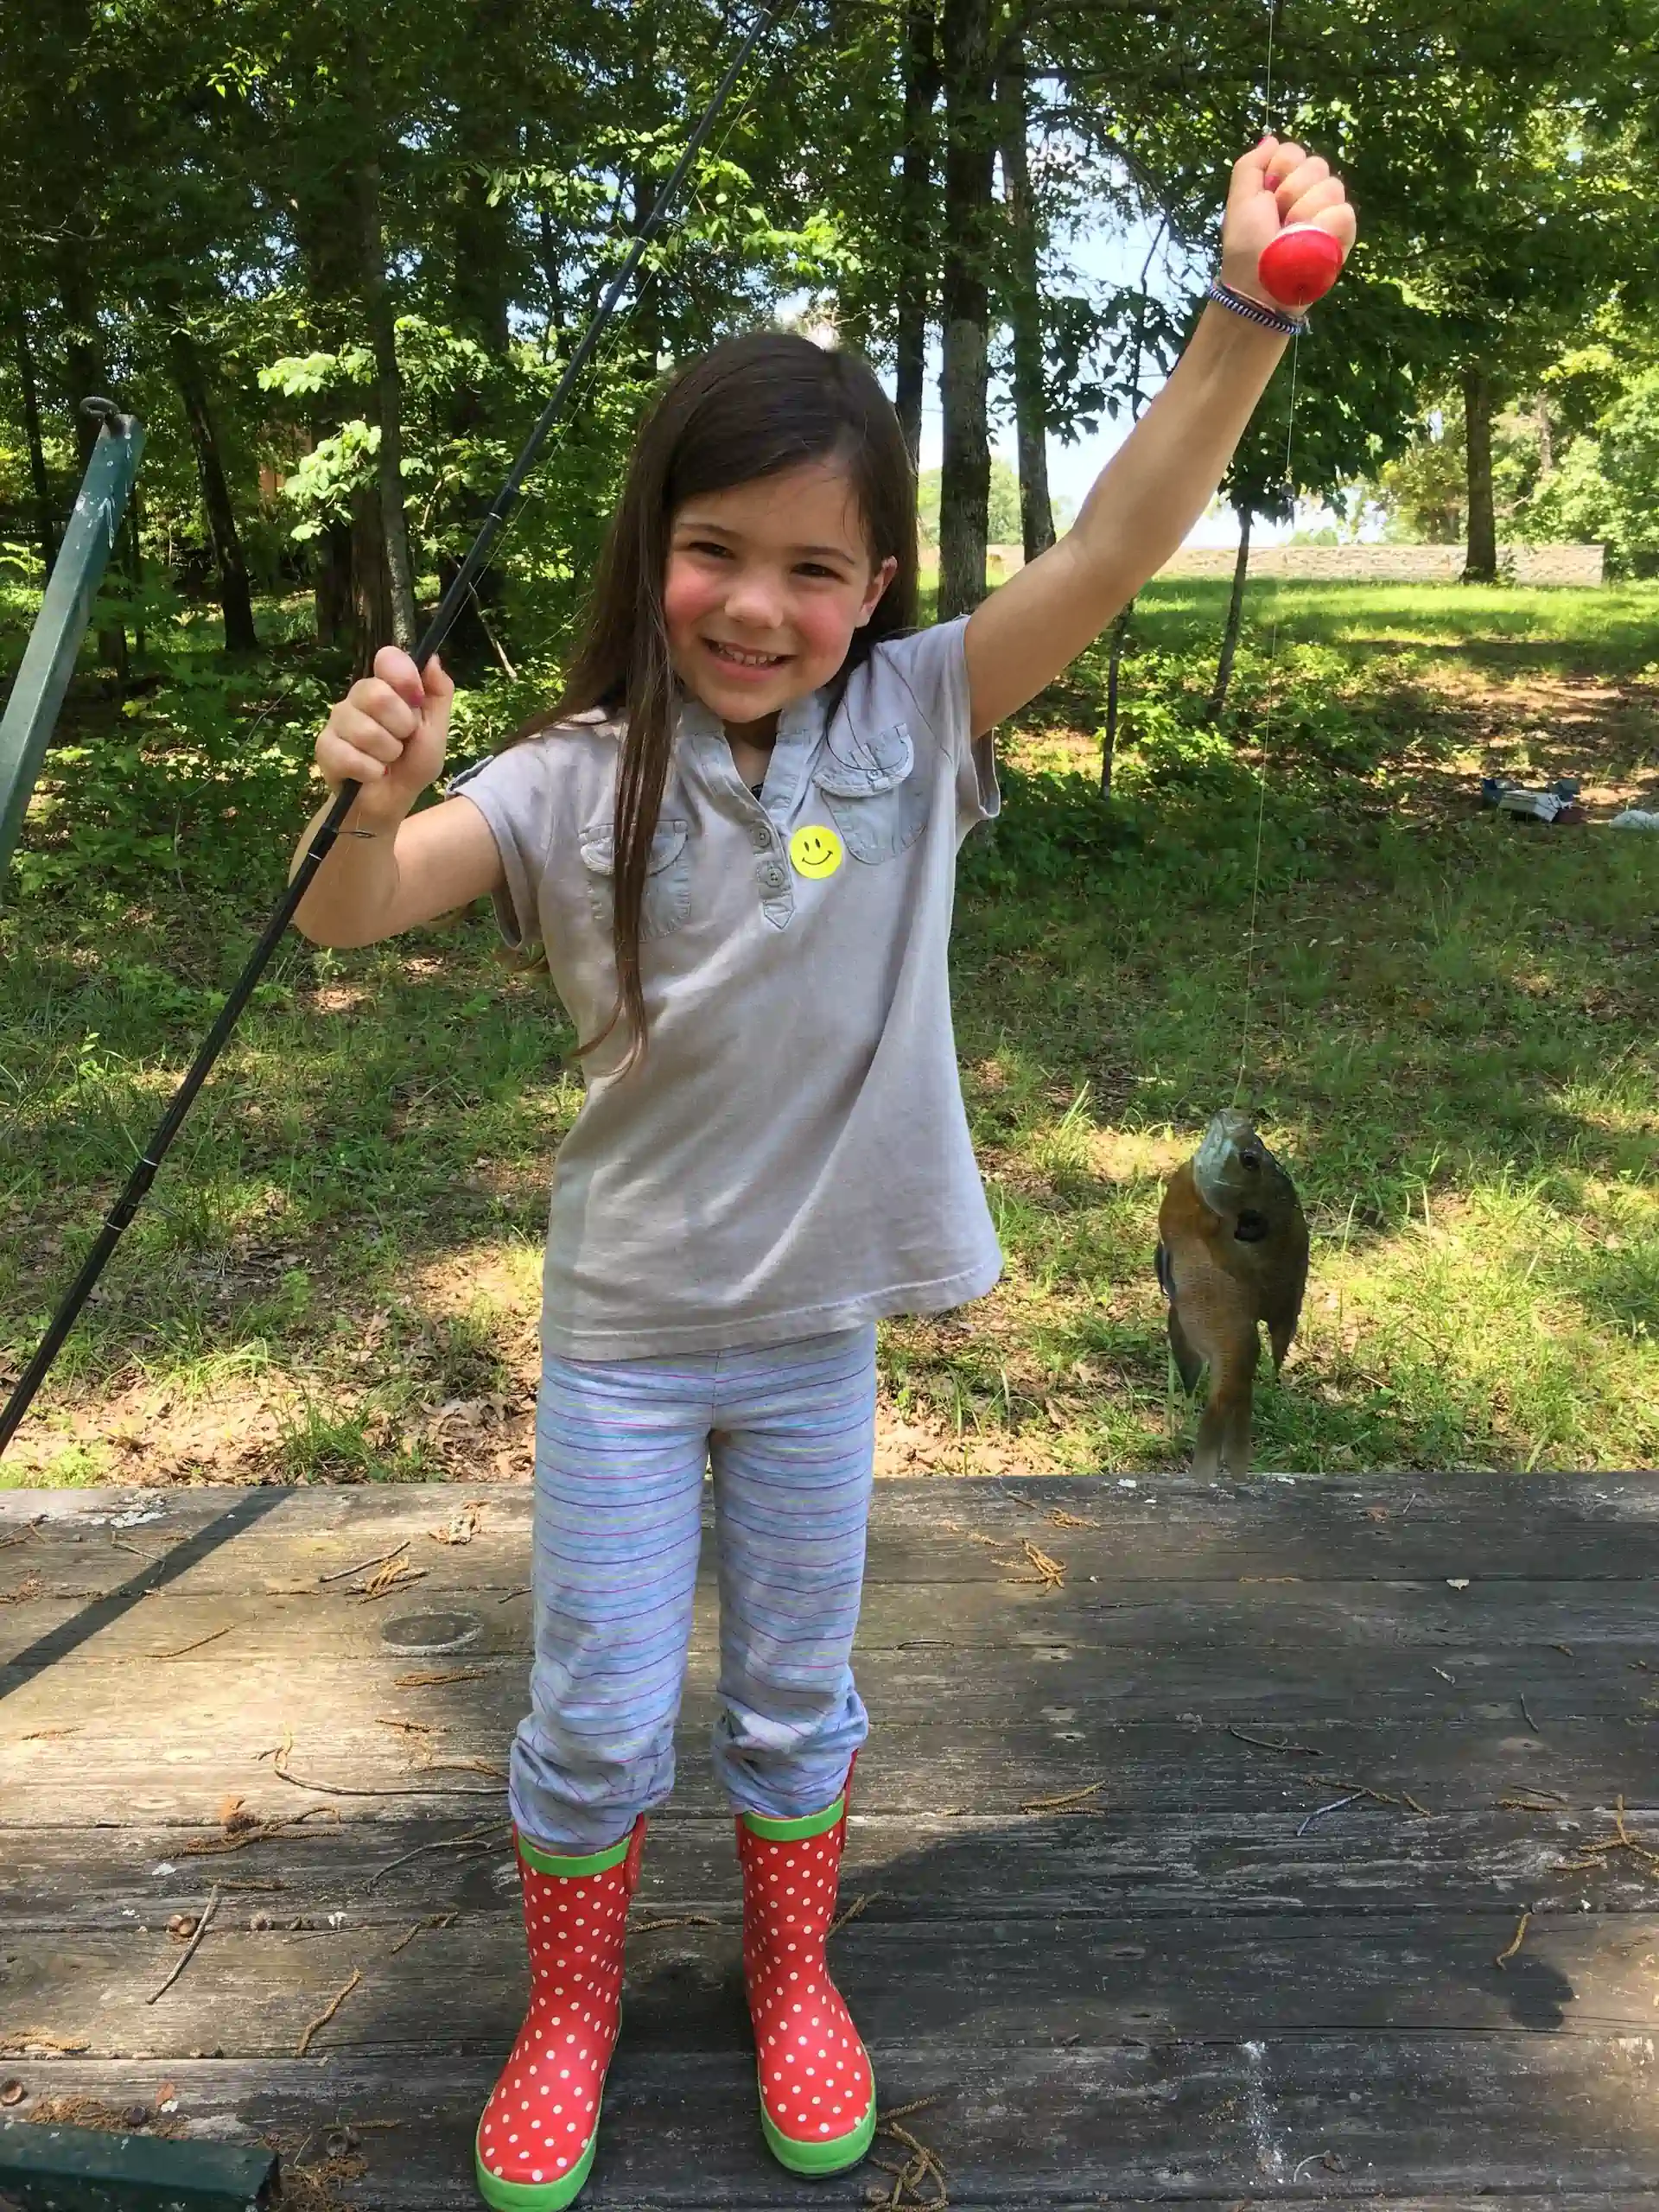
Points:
[[830, 2155], [534, 2196], [596, 1862], [771, 1831]]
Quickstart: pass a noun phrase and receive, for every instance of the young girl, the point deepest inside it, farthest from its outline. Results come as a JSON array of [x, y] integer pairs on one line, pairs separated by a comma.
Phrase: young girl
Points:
[[736, 838]]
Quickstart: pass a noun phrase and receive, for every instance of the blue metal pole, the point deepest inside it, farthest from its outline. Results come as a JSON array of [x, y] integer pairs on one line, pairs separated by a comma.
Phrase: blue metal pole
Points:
[[50, 656]]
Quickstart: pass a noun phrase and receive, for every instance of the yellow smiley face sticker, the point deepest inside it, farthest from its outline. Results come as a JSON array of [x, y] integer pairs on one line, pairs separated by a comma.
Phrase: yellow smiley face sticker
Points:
[[815, 850]]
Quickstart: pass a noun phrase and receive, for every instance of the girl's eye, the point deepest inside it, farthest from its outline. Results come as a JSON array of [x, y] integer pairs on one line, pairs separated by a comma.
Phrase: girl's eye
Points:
[[817, 569], [709, 545]]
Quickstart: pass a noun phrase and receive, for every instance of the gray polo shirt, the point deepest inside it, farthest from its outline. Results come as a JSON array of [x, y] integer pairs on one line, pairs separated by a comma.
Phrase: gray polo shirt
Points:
[[792, 1155]]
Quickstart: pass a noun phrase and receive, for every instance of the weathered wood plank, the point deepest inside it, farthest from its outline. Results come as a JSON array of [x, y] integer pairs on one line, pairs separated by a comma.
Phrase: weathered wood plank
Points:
[[1040, 1869], [1397, 1527], [250, 1991], [1424, 2118], [1315, 1625], [95, 1760]]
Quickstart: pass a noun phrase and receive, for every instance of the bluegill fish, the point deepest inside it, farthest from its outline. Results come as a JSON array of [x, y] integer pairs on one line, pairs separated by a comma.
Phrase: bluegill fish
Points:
[[1232, 1253]]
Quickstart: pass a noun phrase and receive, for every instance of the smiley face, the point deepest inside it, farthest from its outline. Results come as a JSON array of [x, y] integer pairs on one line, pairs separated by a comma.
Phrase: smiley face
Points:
[[815, 850]]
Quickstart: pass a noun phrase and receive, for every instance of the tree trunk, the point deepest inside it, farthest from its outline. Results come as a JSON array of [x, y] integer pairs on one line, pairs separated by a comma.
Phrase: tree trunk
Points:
[[488, 138], [1546, 439], [332, 583], [189, 373], [916, 256], [1025, 315], [84, 360], [372, 618], [969, 161], [552, 278], [388, 412], [1480, 564], [46, 527], [326, 231], [1234, 614]]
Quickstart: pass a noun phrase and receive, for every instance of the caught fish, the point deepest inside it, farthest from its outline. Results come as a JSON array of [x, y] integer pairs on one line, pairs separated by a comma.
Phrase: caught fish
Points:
[[1232, 1253]]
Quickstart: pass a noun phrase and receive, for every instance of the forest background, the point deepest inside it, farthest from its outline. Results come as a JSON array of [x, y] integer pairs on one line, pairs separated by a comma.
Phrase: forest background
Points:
[[335, 256]]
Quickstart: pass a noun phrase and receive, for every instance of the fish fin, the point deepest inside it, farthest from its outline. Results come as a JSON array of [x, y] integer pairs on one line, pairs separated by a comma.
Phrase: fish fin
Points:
[[1188, 1365], [1165, 1270], [1224, 1439]]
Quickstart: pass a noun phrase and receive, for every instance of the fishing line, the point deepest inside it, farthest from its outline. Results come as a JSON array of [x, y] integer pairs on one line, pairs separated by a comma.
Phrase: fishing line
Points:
[[322, 844], [1273, 654], [1262, 768]]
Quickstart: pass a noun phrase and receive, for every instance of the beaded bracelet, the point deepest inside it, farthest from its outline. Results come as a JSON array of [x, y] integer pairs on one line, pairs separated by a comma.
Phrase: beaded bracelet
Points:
[[1287, 325]]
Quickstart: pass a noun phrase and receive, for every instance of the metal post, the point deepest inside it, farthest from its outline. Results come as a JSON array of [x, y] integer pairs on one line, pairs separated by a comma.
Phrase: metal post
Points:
[[49, 658]]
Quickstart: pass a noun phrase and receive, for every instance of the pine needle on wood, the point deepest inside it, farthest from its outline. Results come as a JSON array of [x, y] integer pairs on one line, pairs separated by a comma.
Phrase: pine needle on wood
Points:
[[475, 1837], [436, 1920], [431, 1680], [195, 1945], [327, 2013], [1595, 1853], [1050, 1573], [280, 1767], [1060, 1804], [1503, 1957], [396, 1574], [240, 1832], [1262, 1744], [200, 1643], [922, 2165], [859, 1905], [345, 1573]]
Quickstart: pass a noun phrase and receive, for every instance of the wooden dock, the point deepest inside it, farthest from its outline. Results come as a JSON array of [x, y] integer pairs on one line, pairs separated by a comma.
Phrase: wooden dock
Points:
[[1193, 1841]]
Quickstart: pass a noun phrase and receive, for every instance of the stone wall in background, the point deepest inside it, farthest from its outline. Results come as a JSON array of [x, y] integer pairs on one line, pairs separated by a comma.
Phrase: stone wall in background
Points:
[[1392, 564]]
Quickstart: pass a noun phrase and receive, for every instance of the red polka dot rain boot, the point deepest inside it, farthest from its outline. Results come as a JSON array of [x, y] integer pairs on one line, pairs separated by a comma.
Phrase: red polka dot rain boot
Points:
[[536, 2137], [817, 2092]]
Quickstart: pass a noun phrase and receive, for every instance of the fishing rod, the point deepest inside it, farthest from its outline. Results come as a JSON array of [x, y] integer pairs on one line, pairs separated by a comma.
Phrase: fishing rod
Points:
[[328, 830]]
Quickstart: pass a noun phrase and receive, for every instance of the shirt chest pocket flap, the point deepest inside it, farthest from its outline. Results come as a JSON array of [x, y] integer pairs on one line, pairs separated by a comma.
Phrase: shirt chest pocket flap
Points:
[[667, 899], [878, 801]]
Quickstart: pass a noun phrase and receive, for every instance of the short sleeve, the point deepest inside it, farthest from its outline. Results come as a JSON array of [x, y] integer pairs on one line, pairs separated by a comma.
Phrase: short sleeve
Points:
[[932, 666], [510, 790]]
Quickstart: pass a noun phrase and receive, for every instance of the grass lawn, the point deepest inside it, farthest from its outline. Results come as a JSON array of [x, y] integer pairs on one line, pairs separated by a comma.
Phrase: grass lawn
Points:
[[1450, 1036]]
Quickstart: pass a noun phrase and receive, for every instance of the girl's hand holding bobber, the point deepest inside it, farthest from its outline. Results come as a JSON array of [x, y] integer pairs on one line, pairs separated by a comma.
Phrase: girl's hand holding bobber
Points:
[[1289, 226]]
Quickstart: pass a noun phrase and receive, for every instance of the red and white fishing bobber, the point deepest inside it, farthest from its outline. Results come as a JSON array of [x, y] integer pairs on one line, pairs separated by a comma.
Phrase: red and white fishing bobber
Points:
[[1299, 265]]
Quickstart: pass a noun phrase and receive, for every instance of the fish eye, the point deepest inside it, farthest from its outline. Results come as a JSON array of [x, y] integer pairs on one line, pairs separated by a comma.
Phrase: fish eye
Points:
[[1251, 1157]]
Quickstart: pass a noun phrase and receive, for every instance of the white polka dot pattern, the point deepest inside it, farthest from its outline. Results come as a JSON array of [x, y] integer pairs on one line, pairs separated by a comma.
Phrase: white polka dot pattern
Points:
[[815, 2080], [543, 2110]]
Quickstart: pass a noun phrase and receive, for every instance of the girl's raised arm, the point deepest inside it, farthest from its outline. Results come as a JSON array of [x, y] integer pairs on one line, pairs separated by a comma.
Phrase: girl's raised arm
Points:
[[1162, 478], [401, 869]]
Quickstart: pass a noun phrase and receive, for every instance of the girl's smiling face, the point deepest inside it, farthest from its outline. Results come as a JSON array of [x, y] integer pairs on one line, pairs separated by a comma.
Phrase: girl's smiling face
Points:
[[765, 584]]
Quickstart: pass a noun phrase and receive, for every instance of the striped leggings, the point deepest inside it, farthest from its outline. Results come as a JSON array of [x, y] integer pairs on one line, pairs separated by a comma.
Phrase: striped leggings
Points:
[[620, 1450]]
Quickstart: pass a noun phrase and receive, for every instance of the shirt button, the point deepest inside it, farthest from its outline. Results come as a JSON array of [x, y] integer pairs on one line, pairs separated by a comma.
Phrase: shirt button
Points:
[[761, 837], [772, 877]]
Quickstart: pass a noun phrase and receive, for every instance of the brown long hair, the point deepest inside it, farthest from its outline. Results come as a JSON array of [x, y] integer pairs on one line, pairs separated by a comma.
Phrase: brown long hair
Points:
[[750, 407]]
